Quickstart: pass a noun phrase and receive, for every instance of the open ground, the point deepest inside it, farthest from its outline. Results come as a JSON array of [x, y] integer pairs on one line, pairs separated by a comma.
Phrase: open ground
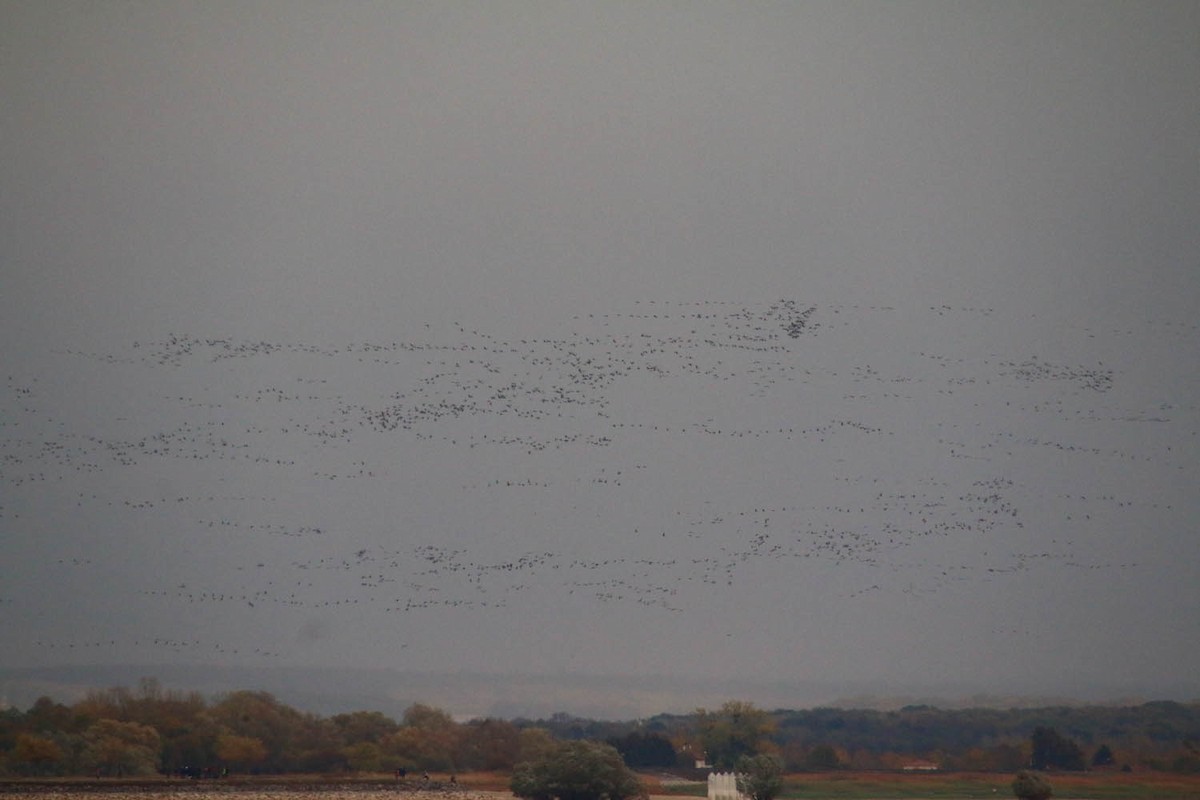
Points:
[[848, 785]]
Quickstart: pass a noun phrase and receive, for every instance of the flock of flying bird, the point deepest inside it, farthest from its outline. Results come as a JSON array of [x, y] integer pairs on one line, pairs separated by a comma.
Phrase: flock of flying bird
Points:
[[660, 458]]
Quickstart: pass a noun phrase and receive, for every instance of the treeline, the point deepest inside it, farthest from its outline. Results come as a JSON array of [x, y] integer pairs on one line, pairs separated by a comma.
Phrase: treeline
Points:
[[119, 732], [148, 730], [1158, 735]]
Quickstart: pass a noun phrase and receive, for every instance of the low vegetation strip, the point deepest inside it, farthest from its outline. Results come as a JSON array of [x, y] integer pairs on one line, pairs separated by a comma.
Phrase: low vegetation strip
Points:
[[251, 787], [243, 789], [841, 785], [223, 792], [852, 785]]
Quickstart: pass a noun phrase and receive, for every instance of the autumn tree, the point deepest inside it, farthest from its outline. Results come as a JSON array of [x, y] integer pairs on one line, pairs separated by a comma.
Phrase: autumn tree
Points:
[[188, 732], [240, 753], [113, 747], [36, 755], [577, 770], [113, 703], [318, 746], [294, 741], [364, 726], [360, 735], [490, 744], [427, 739], [46, 716], [737, 729]]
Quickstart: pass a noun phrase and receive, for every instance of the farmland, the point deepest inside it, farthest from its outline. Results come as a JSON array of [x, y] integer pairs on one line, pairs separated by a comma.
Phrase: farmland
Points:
[[839, 785]]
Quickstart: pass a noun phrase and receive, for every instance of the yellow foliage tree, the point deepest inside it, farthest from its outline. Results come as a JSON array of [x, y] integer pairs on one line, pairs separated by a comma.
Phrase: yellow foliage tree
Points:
[[36, 754], [241, 753], [112, 747]]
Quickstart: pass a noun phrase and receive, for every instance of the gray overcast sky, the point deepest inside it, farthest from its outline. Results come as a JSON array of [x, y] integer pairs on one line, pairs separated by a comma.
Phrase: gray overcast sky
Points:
[[784, 341]]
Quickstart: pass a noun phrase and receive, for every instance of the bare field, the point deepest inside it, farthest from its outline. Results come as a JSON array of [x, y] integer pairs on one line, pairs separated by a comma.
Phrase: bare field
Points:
[[218, 790], [481, 786], [211, 792], [820, 786]]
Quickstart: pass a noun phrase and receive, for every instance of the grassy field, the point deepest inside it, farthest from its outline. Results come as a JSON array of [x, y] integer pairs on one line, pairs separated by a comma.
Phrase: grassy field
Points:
[[893, 786], [494, 786]]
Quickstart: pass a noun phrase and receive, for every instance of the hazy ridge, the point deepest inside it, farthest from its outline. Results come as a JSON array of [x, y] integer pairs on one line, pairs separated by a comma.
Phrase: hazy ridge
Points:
[[329, 691]]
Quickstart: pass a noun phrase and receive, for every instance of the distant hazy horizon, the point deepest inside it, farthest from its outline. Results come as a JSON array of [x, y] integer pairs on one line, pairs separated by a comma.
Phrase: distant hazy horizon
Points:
[[475, 695]]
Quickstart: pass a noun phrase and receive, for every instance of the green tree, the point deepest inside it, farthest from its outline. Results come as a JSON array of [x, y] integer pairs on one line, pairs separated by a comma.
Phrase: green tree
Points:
[[1031, 786], [760, 777], [363, 757], [577, 770], [1103, 757], [737, 729], [640, 749], [1009, 757], [1051, 749], [822, 758], [534, 744]]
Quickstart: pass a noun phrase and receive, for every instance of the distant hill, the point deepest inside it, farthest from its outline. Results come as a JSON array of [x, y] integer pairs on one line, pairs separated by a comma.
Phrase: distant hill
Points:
[[329, 691]]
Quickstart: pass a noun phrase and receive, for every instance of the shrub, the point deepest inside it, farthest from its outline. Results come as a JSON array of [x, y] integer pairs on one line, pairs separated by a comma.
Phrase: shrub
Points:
[[760, 777], [577, 770], [1031, 786]]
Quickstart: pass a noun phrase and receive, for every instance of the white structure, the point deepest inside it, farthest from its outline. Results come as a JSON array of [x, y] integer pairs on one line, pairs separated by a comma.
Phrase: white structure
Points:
[[723, 786]]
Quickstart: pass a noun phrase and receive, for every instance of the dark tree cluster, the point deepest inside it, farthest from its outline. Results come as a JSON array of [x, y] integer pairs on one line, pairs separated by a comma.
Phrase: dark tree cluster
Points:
[[640, 749], [1051, 750], [1153, 735], [576, 770]]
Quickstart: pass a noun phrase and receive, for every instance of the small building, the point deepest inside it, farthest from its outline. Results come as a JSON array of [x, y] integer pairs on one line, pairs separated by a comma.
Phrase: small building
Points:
[[723, 786]]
